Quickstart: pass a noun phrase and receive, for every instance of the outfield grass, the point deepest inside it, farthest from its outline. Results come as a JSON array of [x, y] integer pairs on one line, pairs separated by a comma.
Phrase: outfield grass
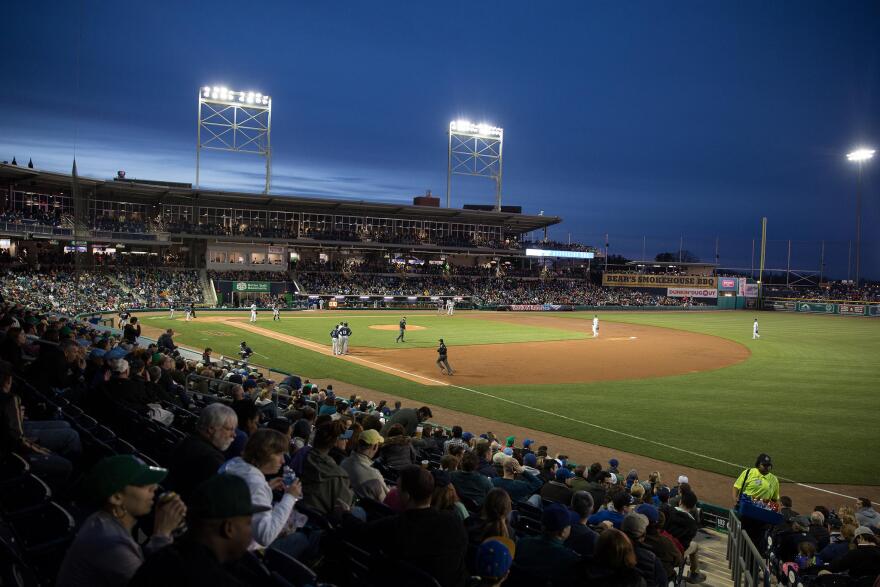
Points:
[[807, 395]]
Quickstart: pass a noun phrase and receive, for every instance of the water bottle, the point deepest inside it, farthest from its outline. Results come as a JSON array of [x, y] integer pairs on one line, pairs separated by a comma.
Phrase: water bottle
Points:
[[289, 476]]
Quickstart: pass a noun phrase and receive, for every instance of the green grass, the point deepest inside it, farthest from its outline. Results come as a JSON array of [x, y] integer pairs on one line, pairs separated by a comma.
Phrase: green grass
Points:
[[454, 330], [808, 394]]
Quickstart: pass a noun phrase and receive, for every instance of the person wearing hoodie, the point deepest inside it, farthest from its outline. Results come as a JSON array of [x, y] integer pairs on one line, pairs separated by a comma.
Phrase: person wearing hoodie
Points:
[[866, 515], [398, 451], [263, 455], [519, 489], [324, 482]]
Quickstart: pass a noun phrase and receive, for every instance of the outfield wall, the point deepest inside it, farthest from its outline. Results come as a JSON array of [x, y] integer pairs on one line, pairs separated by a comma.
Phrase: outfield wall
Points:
[[819, 307]]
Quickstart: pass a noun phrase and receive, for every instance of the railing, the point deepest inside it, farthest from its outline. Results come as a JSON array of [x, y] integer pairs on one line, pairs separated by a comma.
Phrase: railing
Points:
[[33, 228], [747, 565]]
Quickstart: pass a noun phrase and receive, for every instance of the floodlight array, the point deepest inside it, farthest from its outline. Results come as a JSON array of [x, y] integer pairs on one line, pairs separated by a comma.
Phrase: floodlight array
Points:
[[481, 130], [860, 155], [227, 95]]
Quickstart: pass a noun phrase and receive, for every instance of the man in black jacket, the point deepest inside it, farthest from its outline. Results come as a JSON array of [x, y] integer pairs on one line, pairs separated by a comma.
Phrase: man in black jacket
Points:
[[199, 455], [132, 331], [647, 564], [682, 524], [433, 540]]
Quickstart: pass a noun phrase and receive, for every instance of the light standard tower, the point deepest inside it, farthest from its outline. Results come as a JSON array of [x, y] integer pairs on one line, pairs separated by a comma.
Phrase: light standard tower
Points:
[[859, 156], [234, 121], [474, 149]]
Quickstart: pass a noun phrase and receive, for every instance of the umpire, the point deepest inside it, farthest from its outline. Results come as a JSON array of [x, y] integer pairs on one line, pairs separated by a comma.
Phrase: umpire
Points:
[[442, 358], [402, 330]]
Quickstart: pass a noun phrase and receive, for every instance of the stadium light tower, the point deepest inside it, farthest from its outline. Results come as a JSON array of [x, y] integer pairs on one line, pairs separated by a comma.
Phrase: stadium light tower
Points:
[[475, 149], [859, 156], [234, 121]]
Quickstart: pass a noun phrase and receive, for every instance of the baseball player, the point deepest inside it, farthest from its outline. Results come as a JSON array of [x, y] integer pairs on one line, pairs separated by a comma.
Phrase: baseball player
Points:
[[192, 310], [755, 334], [276, 312], [344, 333], [334, 339], [450, 307], [402, 330], [171, 307], [244, 351], [595, 325], [187, 314], [439, 307], [124, 315], [253, 312], [443, 359]]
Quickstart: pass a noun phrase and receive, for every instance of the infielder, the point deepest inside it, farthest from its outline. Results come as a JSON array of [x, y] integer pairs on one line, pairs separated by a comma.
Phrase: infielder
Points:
[[192, 310], [402, 330], [443, 359], [334, 339], [344, 333], [439, 307], [171, 307], [755, 334], [187, 314], [595, 325], [450, 307], [276, 312], [253, 312]]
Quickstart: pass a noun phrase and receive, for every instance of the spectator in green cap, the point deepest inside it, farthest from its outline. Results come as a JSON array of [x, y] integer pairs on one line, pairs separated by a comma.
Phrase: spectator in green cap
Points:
[[219, 534], [104, 551]]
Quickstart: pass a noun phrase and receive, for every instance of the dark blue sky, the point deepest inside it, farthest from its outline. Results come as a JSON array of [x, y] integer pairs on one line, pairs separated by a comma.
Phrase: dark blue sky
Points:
[[659, 119]]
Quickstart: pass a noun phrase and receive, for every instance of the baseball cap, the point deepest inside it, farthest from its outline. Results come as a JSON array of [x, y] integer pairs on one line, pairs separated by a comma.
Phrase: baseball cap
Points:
[[531, 459], [862, 531], [509, 441], [508, 451], [371, 437], [649, 511], [663, 493], [764, 459], [527, 442], [346, 435], [803, 521], [613, 462], [494, 558], [441, 478], [222, 496], [97, 353], [563, 473], [635, 524], [682, 479], [467, 436], [115, 353], [555, 517], [114, 473], [613, 479]]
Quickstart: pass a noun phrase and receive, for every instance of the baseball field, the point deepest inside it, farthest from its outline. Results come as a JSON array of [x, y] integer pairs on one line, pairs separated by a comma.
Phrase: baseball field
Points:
[[690, 388]]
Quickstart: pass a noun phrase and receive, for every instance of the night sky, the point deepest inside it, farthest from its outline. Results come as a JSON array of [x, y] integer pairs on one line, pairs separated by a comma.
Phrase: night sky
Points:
[[655, 119]]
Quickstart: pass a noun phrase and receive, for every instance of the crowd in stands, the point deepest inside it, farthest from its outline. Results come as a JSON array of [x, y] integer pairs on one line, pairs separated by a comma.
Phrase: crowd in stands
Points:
[[120, 224], [247, 276], [124, 462], [485, 291], [98, 289], [32, 215], [837, 291]]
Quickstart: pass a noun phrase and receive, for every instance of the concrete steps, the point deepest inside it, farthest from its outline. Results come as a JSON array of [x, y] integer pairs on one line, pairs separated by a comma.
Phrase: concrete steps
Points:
[[713, 558]]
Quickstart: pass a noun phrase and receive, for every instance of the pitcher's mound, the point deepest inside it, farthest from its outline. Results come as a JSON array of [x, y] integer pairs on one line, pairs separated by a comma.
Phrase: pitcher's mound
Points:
[[395, 327]]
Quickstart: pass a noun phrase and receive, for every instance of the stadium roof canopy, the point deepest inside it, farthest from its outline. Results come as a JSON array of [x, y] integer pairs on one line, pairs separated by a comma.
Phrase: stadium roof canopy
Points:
[[133, 190]]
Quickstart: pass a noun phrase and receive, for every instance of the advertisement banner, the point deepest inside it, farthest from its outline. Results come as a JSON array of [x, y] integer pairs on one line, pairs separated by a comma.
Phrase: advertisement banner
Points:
[[814, 307], [852, 309], [539, 307], [750, 290], [874, 311], [727, 283], [251, 286], [785, 306], [689, 292], [659, 281]]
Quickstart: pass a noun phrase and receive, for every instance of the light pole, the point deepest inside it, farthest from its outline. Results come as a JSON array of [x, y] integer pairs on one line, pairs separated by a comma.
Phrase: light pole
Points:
[[474, 149], [859, 156]]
